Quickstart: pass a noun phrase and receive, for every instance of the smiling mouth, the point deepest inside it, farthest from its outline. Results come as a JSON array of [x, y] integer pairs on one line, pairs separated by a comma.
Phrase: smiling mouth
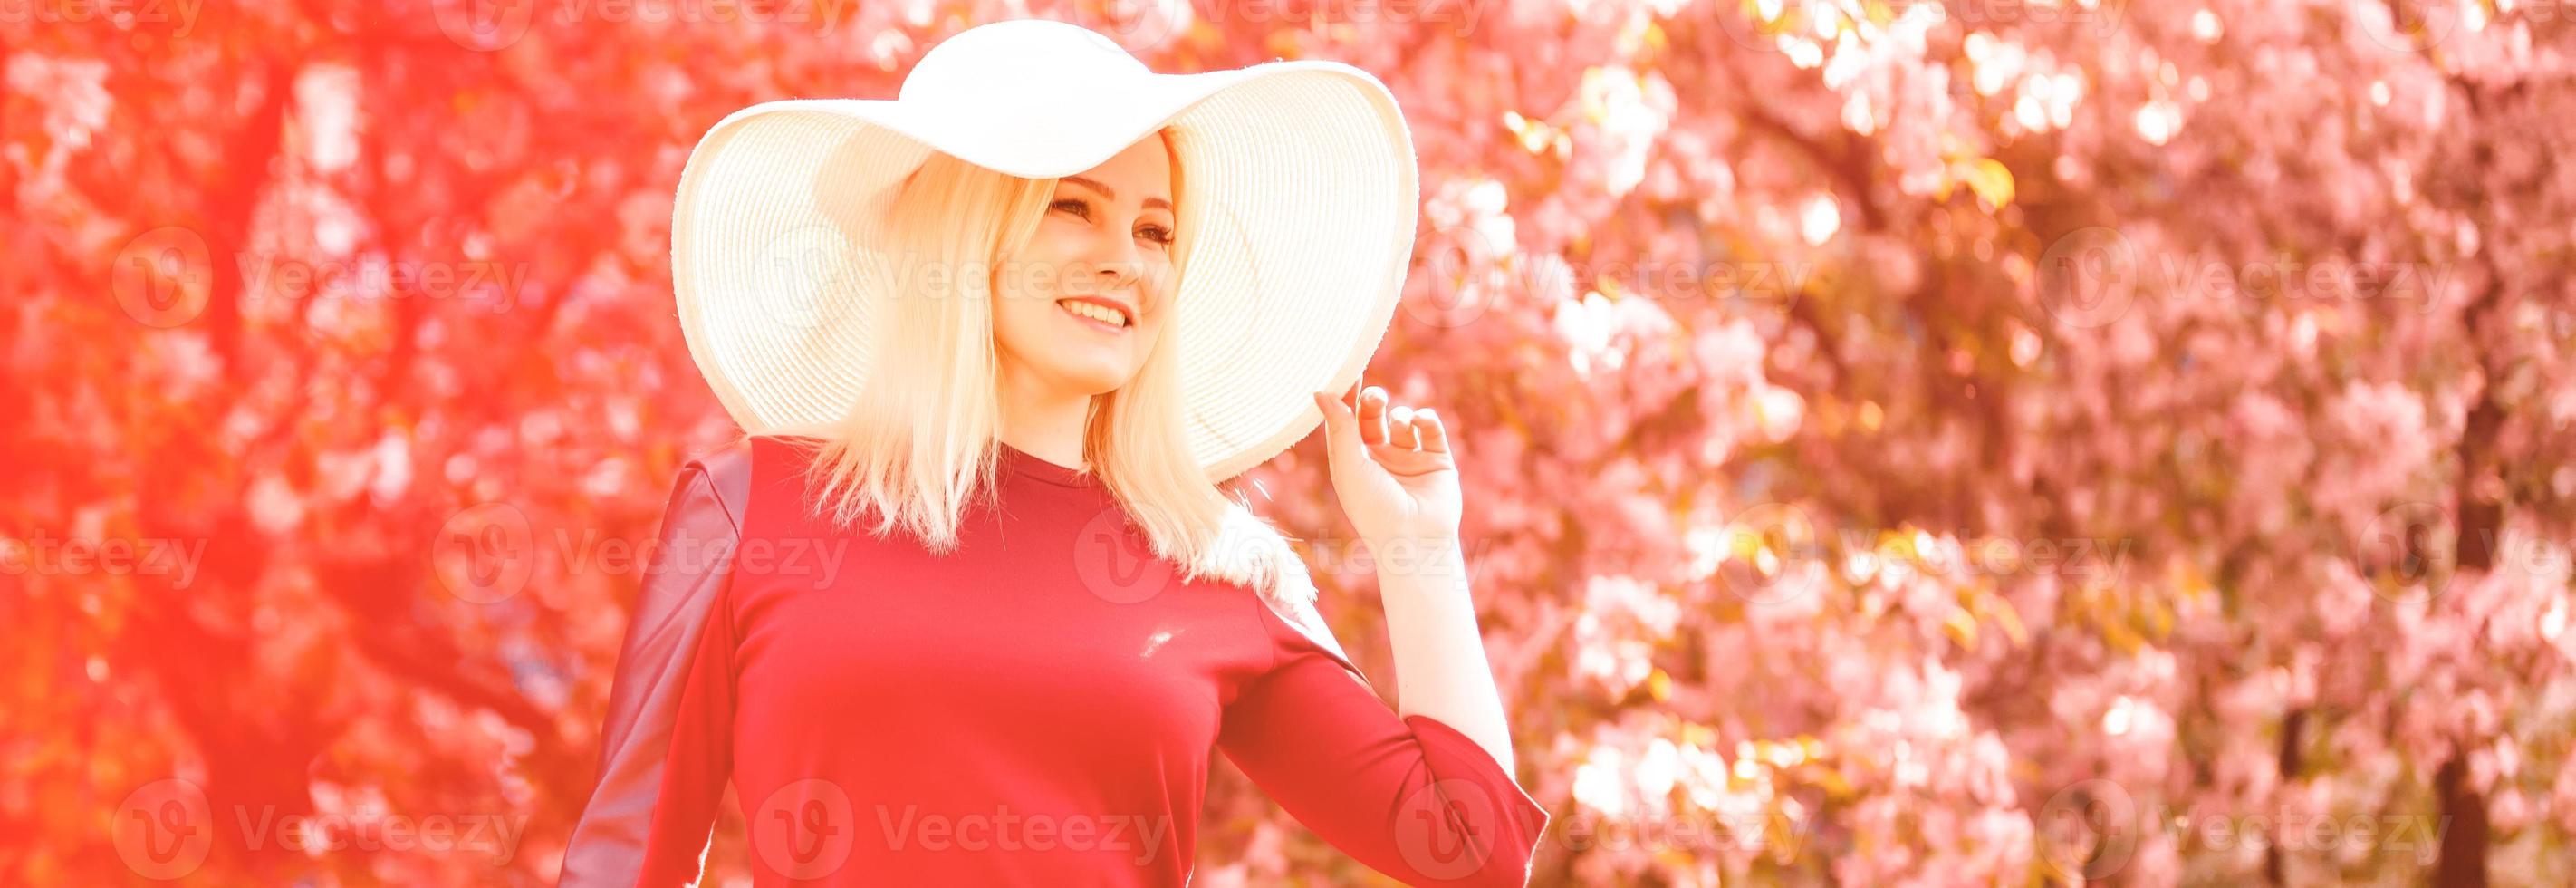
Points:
[[1095, 314]]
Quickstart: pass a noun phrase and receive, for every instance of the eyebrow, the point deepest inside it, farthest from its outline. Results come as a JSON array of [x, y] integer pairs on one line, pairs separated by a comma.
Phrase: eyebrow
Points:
[[1112, 194]]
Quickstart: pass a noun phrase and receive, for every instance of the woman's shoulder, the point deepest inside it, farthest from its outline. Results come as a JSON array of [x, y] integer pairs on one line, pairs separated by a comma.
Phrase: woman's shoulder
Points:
[[734, 459], [729, 475], [727, 469], [1294, 619]]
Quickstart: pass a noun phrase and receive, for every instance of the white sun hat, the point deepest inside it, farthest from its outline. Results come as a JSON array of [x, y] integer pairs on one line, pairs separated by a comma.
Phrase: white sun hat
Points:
[[1298, 206]]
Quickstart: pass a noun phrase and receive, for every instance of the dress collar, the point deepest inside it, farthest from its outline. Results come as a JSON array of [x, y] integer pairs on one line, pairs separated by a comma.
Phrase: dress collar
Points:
[[1022, 463]]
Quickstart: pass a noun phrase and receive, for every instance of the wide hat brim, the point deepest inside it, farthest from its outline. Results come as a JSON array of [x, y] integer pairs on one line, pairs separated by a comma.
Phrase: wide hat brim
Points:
[[1298, 204]]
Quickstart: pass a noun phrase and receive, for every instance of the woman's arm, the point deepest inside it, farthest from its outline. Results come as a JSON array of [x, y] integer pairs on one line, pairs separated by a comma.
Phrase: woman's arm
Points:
[[1396, 475], [1440, 667], [665, 751], [1410, 796]]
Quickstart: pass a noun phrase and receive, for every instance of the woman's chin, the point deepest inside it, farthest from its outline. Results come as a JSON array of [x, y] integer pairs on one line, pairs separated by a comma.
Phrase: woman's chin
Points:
[[1095, 378]]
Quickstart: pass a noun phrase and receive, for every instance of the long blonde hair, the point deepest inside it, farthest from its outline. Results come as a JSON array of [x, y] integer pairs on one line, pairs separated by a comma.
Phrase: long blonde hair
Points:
[[918, 455]]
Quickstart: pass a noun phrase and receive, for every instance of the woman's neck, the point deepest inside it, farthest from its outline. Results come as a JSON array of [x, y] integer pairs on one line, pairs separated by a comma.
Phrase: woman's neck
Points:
[[1044, 423]]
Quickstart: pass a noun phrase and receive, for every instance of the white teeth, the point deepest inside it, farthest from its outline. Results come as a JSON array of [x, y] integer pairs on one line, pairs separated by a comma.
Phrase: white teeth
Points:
[[1109, 316]]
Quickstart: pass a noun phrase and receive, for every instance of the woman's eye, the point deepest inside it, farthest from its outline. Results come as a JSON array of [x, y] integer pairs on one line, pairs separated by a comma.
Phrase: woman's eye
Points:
[[1079, 207]]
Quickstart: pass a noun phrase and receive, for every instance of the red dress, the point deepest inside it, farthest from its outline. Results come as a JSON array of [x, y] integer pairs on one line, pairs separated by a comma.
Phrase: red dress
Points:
[[1039, 707]]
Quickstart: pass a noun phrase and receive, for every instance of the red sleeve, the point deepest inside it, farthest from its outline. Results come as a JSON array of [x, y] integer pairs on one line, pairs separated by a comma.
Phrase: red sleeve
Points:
[[666, 746], [1408, 796]]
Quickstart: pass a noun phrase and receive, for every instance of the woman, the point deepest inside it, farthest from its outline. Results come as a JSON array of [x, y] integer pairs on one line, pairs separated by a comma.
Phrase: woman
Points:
[[983, 618]]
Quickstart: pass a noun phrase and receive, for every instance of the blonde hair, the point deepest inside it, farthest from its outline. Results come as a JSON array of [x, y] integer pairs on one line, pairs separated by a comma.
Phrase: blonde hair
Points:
[[918, 455]]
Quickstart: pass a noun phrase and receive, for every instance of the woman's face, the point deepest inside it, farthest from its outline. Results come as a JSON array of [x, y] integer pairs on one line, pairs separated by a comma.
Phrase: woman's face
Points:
[[1105, 247]]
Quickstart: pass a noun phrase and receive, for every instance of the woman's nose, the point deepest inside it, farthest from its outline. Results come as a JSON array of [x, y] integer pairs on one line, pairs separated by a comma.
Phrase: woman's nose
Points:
[[1116, 261]]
